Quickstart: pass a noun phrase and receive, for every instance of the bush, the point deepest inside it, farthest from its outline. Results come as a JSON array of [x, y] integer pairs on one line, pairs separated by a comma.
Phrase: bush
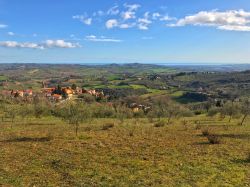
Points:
[[87, 98], [187, 113], [225, 127], [123, 112], [198, 127], [198, 112], [248, 157], [213, 139], [107, 126], [205, 132], [88, 128], [159, 124], [212, 112], [102, 111]]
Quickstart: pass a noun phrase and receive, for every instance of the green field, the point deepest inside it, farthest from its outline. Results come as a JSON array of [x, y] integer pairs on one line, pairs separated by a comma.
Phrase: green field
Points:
[[3, 78], [45, 152]]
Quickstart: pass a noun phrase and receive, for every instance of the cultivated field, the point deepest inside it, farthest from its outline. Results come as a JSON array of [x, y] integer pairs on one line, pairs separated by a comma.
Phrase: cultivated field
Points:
[[46, 152]]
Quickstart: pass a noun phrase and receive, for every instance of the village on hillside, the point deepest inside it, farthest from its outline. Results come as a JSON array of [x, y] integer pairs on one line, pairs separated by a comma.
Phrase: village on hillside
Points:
[[54, 93], [59, 94]]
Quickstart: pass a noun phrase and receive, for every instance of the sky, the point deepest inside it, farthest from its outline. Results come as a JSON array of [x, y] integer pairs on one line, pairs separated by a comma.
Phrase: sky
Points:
[[117, 31]]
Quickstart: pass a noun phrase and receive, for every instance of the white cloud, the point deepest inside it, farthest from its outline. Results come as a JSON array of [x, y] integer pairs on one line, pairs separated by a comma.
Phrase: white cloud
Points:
[[126, 25], [125, 17], [132, 7], [130, 12], [43, 45], [60, 44], [128, 15], [84, 19], [111, 23], [14, 44], [234, 28], [99, 13], [143, 23], [156, 15], [11, 33], [113, 10], [167, 18], [94, 38], [235, 20], [2, 26]]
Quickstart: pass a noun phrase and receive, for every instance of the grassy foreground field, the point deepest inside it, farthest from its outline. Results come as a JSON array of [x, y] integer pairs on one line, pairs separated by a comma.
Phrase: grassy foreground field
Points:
[[134, 153]]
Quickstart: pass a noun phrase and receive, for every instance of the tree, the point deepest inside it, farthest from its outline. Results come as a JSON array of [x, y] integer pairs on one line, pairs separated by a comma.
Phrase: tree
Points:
[[164, 107], [11, 111], [40, 107], [74, 114], [26, 111], [208, 105], [230, 109], [212, 112], [245, 110], [73, 86]]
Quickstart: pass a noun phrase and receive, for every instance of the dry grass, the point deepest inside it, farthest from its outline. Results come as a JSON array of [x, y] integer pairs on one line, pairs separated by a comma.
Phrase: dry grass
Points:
[[107, 126], [248, 158], [159, 124], [205, 132], [213, 139], [127, 155]]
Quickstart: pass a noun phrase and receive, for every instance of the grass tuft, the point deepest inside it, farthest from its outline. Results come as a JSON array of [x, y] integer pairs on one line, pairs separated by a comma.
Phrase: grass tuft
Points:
[[248, 158], [159, 124], [205, 132], [213, 139], [107, 126]]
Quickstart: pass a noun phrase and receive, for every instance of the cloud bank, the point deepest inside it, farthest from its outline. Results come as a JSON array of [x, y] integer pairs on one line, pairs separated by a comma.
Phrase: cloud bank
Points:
[[233, 20], [43, 45]]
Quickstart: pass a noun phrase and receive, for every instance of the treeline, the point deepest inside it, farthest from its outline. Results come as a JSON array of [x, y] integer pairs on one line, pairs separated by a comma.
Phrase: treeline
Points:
[[80, 110], [159, 107]]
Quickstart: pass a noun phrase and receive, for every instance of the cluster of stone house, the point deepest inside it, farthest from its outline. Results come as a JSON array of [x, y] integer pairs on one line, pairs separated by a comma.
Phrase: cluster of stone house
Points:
[[18, 93], [57, 94], [54, 93], [137, 107]]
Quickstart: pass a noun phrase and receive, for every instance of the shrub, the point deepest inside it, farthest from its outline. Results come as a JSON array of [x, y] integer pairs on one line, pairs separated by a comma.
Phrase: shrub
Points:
[[150, 119], [131, 133], [213, 139], [225, 127], [205, 132], [87, 98], [102, 111], [197, 112], [187, 113], [248, 157], [212, 112], [198, 127], [184, 122], [107, 126], [159, 124], [88, 128]]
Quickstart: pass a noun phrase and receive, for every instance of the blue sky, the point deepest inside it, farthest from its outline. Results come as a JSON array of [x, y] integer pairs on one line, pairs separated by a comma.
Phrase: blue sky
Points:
[[98, 31]]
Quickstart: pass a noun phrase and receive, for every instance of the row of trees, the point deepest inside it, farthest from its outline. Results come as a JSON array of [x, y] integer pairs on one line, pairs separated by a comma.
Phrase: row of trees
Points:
[[76, 112], [232, 110]]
